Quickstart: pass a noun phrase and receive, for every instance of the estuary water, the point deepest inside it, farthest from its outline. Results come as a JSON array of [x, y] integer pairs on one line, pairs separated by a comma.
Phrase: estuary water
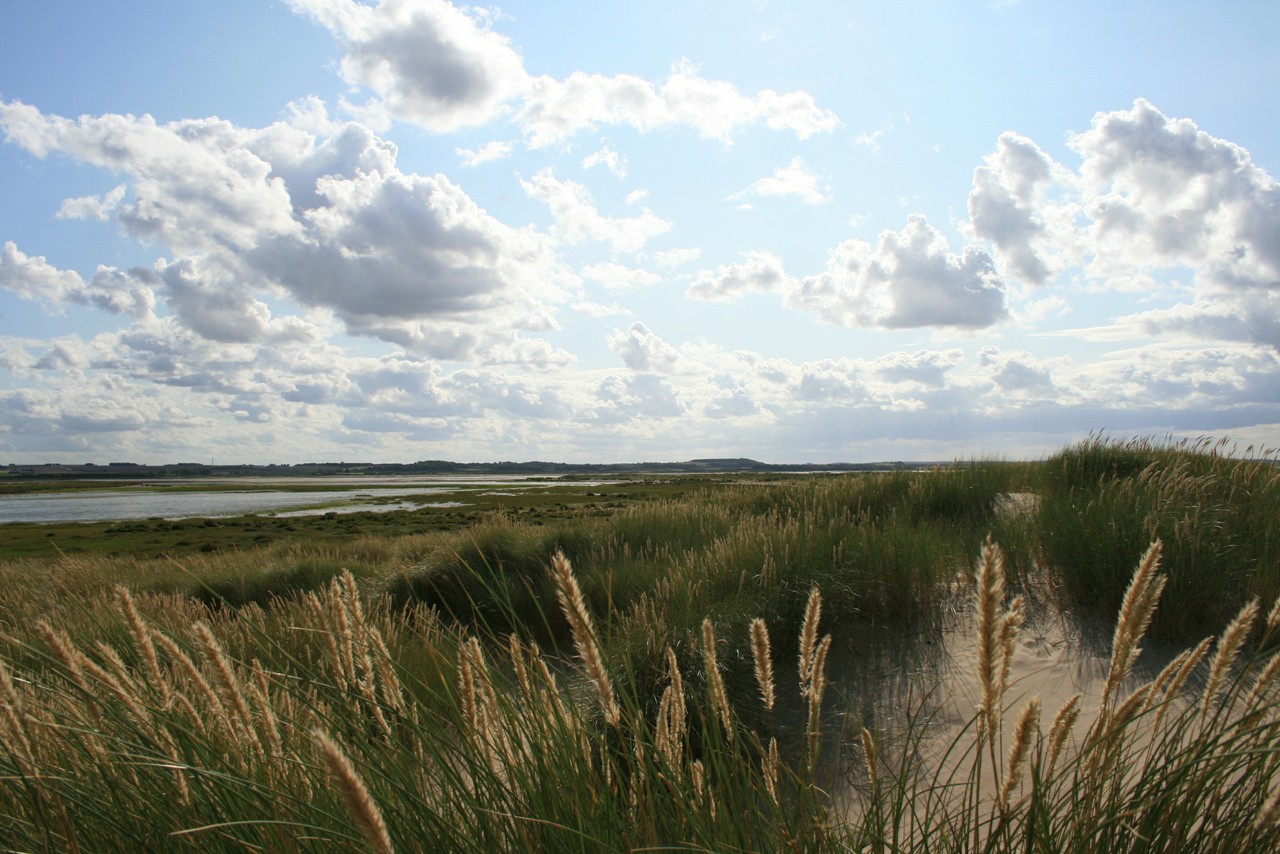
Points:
[[171, 502]]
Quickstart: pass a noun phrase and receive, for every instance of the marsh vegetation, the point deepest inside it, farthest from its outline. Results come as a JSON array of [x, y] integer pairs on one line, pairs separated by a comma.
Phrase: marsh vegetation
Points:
[[670, 673]]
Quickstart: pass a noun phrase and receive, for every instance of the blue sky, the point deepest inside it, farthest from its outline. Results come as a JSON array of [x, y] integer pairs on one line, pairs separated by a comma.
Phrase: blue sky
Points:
[[268, 231]]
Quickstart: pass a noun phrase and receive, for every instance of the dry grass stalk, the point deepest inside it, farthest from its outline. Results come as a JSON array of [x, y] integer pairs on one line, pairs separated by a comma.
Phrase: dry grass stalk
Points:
[[392, 690], [369, 691], [178, 767], [317, 609], [1015, 617], [1165, 677], [260, 689], [181, 702], [669, 729], [770, 766], [1273, 616], [142, 640], [348, 592], [1190, 659], [677, 692], [809, 637], [122, 693], [354, 794], [468, 696], [768, 571], [516, 649], [989, 593], [1133, 705], [71, 661], [118, 668], [715, 681], [1139, 603], [11, 714], [871, 756], [227, 681], [575, 611], [816, 688], [484, 684], [196, 678], [1225, 656], [1023, 731], [554, 707], [484, 716], [344, 635], [1060, 729], [664, 737], [762, 657], [1263, 683], [1269, 814]]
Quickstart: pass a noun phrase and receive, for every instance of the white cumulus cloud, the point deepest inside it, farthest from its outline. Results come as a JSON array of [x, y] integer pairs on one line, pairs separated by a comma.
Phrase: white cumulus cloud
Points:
[[578, 221], [426, 60], [793, 179]]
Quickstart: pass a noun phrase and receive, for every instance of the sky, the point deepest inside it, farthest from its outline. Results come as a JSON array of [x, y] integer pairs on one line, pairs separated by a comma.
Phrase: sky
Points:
[[285, 231]]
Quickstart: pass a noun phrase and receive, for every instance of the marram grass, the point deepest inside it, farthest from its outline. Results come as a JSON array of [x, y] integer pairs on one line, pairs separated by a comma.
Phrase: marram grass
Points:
[[393, 731], [659, 679]]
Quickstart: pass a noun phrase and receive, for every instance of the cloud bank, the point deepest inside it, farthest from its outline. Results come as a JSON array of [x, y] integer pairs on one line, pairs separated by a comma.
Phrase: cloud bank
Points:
[[309, 295]]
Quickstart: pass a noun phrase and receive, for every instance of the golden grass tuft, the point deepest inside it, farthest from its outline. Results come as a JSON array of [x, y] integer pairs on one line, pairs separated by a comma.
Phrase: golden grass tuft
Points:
[[12, 718], [715, 681], [142, 640], [1232, 639], [1060, 729], [575, 611], [762, 658], [232, 693], [1139, 604], [871, 757], [809, 637], [993, 630], [1023, 732], [354, 794]]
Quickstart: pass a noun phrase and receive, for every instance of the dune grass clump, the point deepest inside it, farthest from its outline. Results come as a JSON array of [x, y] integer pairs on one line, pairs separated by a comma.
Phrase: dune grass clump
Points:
[[883, 545], [388, 730], [167, 740], [664, 678], [1102, 501], [1186, 761]]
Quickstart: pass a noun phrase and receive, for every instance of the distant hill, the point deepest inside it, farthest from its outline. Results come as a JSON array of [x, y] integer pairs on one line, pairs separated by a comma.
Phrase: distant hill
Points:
[[535, 468]]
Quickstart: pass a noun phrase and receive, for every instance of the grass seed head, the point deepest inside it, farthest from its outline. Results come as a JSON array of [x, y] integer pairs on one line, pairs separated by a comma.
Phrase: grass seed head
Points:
[[1023, 732], [574, 606], [1229, 645], [762, 657], [719, 697], [355, 795]]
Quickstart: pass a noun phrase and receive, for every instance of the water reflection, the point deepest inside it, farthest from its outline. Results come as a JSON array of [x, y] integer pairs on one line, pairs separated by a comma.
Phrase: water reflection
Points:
[[132, 503]]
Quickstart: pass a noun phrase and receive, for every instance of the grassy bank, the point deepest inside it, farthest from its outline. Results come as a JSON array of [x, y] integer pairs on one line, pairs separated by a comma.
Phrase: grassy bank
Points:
[[452, 510], [657, 676]]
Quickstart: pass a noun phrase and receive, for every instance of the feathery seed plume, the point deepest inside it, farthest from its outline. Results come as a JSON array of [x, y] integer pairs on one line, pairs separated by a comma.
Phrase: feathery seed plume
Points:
[[1228, 648], [809, 638], [989, 582], [354, 794], [1060, 729], [763, 660], [871, 756], [716, 682], [1022, 733], [575, 611], [1139, 603]]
